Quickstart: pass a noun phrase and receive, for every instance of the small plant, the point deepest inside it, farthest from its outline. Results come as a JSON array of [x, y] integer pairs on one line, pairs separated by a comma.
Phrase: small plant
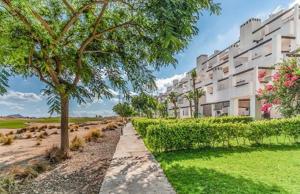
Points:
[[52, 127], [28, 136], [23, 173], [54, 133], [76, 143], [7, 140], [7, 184], [33, 129], [38, 143], [10, 133], [23, 130], [92, 135], [43, 135], [110, 127], [41, 166], [53, 155]]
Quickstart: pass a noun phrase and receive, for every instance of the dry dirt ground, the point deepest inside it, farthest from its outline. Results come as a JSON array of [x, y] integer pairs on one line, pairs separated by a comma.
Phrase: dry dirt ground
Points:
[[82, 173]]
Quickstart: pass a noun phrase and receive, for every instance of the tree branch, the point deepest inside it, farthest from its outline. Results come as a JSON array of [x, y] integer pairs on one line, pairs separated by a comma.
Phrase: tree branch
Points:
[[69, 6], [44, 23], [100, 16], [16, 13], [74, 18], [88, 40]]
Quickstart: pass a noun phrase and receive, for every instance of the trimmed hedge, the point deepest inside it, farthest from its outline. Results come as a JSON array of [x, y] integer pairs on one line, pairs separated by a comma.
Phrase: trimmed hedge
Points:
[[164, 135], [141, 124]]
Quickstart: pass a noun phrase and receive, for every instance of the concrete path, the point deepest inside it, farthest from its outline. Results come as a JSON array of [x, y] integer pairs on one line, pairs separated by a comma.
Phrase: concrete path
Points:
[[133, 169]]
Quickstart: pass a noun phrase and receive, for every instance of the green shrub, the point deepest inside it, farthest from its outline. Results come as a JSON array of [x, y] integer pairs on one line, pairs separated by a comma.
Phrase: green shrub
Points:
[[141, 124], [7, 184], [163, 135]]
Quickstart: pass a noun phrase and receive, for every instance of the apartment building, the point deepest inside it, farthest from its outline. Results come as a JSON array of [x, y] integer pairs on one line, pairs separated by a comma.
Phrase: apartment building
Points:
[[230, 77]]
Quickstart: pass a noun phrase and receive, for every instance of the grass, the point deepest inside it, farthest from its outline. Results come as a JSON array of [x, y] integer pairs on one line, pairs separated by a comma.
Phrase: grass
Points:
[[264, 169], [21, 123]]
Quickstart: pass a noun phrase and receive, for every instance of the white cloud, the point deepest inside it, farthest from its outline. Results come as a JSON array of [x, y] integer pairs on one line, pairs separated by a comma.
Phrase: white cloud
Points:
[[163, 83], [89, 113], [14, 96]]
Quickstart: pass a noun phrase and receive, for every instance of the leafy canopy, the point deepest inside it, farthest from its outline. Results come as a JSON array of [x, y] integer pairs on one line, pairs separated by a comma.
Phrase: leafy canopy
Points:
[[145, 104], [123, 109], [82, 48]]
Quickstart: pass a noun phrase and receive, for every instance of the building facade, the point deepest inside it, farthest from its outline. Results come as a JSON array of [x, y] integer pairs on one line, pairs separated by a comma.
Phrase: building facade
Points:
[[230, 78]]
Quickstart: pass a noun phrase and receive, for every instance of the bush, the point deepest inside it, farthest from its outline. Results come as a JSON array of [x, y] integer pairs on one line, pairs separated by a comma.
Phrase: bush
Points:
[[141, 124], [92, 135], [53, 155], [7, 184], [23, 173], [7, 140], [76, 143], [183, 134], [110, 127]]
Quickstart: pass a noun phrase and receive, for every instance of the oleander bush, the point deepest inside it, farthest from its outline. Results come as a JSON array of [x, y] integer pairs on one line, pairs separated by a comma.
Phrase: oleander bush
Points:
[[164, 135]]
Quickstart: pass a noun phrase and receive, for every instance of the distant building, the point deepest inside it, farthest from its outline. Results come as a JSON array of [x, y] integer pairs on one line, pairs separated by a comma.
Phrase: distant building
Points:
[[230, 77]]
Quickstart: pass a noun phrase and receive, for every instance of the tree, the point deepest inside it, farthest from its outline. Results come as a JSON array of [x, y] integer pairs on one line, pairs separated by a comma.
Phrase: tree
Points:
[[145, 104], [199, 93], [81, 48], [190, 97], [173, 97], [163, 109], [123, 109], [283, 92], [194, 77]]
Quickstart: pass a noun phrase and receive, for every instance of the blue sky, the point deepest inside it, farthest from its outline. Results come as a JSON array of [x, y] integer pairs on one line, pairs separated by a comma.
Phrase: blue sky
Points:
[[215, 33]]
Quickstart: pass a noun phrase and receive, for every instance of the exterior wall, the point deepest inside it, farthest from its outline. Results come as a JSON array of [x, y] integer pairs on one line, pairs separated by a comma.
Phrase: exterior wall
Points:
[[230, 77]]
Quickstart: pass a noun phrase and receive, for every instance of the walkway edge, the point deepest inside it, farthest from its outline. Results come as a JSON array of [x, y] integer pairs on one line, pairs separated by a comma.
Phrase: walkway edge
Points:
[[134, 169]]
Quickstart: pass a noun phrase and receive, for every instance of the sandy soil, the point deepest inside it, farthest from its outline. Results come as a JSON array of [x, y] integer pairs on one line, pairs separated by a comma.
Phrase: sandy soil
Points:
[[82, 173]]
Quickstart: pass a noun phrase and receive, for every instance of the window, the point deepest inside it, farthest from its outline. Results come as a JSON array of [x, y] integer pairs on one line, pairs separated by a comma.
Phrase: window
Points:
[[225, 70], [218, 106]]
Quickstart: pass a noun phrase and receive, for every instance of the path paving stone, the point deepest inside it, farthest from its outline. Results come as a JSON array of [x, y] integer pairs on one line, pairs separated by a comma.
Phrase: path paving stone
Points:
[[133, 169]]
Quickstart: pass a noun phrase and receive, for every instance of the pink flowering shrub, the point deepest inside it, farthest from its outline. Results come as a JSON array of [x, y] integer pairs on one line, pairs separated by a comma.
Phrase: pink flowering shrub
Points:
[[284, 90]]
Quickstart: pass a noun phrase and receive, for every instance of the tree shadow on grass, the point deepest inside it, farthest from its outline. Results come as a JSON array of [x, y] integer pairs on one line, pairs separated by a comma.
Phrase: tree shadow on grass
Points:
[[190, 180], [209, 153]]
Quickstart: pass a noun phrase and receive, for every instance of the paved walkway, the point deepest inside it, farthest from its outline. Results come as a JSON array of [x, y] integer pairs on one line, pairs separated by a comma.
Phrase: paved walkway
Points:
[[133, 169]]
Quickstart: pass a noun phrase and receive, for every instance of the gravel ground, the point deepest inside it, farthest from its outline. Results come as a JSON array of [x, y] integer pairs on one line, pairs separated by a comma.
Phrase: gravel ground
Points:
[[82, 174]]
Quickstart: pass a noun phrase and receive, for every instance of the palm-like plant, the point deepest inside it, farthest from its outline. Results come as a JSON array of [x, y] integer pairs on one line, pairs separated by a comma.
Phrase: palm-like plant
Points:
[[194, 77], [3, 81], [190, 96], [173, 99]]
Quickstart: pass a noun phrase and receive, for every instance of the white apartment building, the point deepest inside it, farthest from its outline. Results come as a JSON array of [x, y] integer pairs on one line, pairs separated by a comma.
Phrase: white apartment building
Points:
[[230, 77]]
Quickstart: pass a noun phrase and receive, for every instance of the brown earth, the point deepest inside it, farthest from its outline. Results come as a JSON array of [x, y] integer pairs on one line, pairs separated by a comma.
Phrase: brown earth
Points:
[[82, 173]]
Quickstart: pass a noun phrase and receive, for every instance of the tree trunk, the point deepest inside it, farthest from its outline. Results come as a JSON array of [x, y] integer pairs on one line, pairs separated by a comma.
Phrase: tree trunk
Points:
[[191, 108], [64, 125], [175, 110], [195, 99]]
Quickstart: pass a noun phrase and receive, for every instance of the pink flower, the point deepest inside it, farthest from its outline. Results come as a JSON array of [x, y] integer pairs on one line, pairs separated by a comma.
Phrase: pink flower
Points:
[[261, 74], [266, 107], [276, 76], [259, 91], [269, 87], [294, 78], [289, 83], [288, 76]]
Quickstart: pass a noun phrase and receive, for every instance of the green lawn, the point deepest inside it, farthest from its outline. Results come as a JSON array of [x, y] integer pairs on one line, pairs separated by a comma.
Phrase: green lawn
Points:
[[269, 169], [20, 123]]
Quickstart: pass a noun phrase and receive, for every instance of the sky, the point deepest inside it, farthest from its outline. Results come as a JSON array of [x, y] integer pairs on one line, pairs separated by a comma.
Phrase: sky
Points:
[[216, 32]]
